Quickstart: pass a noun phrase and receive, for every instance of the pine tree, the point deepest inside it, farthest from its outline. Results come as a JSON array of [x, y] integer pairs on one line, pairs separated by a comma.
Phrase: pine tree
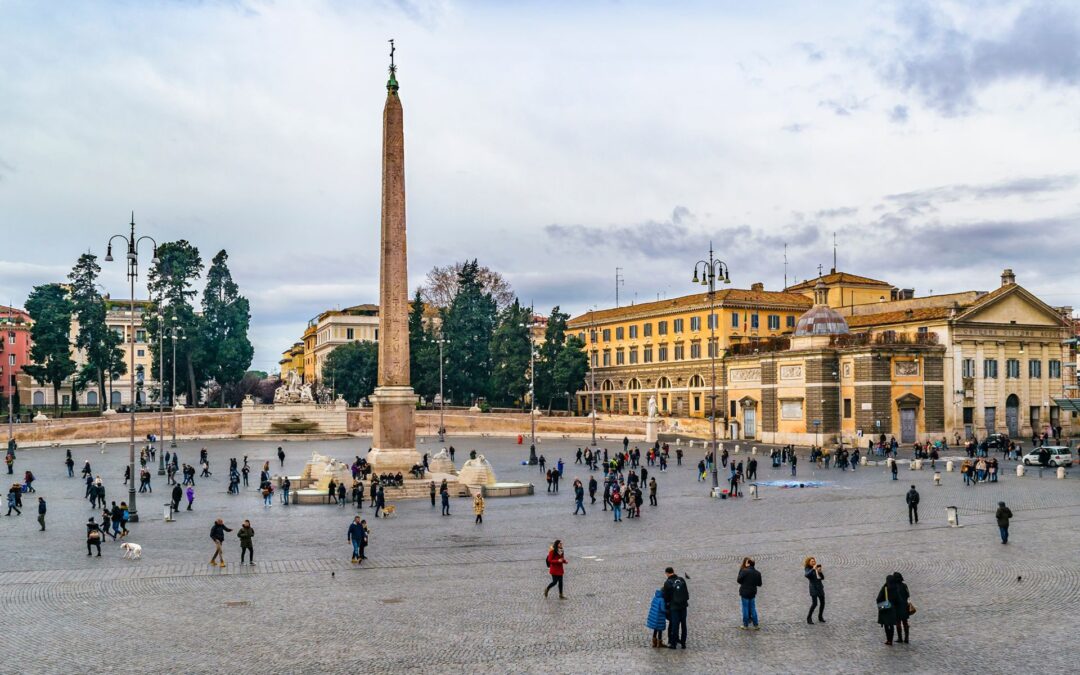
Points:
[[98, 343], [468, 326], [510, 356], [353, 370], [50, 352], [226, 317], [547, 386]]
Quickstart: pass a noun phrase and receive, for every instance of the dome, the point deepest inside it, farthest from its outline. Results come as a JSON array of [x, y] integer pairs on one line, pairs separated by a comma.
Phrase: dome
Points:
[[821, 319]]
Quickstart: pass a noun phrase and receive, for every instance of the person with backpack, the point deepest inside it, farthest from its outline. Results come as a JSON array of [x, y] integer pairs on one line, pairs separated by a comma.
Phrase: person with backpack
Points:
[[912, 506], [677, 598], [556, 559], [657, 619], [616, 503], [246, 533]]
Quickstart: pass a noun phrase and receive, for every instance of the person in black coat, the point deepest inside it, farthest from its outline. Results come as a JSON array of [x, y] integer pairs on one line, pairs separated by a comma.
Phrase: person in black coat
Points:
[[676, 599], [903, 609], [812, 572], [749, 581], [888, 600]]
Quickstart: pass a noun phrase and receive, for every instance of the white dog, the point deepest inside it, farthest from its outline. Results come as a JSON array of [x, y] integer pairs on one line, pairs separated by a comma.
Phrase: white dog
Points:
[[131, 551]]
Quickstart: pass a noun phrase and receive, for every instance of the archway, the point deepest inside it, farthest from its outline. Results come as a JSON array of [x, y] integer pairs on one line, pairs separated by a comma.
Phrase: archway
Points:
[[1012, 415], [91, 398], [664, 397], [39, 398]]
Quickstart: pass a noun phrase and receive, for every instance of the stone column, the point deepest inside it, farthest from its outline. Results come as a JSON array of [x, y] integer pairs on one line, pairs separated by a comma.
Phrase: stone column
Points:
[[394, 402]]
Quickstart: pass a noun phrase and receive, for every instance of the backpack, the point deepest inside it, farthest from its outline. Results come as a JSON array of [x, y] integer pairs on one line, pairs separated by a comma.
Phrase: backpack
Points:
[[616, 498]]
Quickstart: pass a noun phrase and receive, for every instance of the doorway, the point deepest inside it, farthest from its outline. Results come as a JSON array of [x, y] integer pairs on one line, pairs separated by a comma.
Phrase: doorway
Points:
[[1012, 415], [749, 422], [907, 425]]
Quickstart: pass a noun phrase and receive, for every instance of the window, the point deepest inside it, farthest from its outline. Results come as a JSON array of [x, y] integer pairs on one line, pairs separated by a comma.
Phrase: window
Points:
[[847, 408], [11, 337], [606, 334], [990, 370], [349, 333], [661, 353], [620, 357], [140, 335], [714, 321], [646, 356], [680, 351], [592, 336], [633, 332], [11, 362], [661, 327], [695, 323], [734, 319], [754, 321], [1034, 369], [695, 349], [619, 332], [633, 355], [1054, 367], [791, 409], [1012, 368], [967, 367], [581, 336], [713, 348], [140, 352], [646, 330], [774, 322], [592, 359], [677, 325], [791, 321], [607, 357]]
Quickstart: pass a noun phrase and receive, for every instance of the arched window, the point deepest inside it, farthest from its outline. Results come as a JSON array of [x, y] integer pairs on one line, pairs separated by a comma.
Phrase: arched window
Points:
[[115, 398], [91, 398], [663, 383], [607, 385], [697, 382], [39, 398], [634, 384]]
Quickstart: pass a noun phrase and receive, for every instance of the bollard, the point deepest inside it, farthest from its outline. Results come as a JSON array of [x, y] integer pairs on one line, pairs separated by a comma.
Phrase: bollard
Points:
[[913, 464], [918, 465], [678, 442], [1020, 470], [863, 460], [937, 478], [1061, 473], [736, 449], [953, 516], [949, 466], [753, 491], [753, 450], [168, 512]]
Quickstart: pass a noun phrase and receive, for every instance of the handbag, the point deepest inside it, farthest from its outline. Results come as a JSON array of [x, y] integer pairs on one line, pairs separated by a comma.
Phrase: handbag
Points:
[[911, 608], [885, 604]]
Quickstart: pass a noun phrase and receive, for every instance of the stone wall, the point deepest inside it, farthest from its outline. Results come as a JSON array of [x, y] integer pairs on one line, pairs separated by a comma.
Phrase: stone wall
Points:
[[189, 424], [259, 419]]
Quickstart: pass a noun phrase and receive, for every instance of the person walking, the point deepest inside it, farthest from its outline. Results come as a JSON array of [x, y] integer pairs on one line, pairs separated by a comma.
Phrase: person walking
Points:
[[93, 537], [886, 604], [912, 505], [445, 494], [556, 559], [341, 493], [41, 508], [177, 495], [657, 619], [593, 485], [812, 572], [893, 467], [356, 534], [217, 535], [616, 503], [380, 500], [904, 609], [190, 496], [281, 457], [652, 491], [13, 501], [478, 507], [794, 461], [1003, 514], [431, 492], [677, 598], [579, 497], [245, 534], [749, 581]]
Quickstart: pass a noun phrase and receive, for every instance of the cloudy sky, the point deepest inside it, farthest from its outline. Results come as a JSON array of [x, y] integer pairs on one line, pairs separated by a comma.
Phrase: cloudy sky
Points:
[[554, 141]]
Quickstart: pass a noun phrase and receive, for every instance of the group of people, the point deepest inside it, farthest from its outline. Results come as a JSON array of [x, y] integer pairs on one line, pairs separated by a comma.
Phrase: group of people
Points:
[[981, 471]]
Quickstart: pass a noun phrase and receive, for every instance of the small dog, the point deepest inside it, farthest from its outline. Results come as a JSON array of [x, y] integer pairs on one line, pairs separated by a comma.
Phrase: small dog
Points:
[[388, 510], [131, 551]]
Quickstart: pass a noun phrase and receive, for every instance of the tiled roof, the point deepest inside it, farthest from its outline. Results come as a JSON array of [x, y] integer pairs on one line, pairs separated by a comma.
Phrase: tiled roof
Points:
[[838, 278], [728, 297], [903, 316]]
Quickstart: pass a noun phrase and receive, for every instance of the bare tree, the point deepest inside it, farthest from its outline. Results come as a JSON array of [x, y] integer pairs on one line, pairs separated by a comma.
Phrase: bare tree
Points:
[[442, 285]]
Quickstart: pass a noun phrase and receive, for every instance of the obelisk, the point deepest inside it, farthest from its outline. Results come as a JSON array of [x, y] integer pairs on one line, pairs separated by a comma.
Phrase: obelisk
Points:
[[393, 446]]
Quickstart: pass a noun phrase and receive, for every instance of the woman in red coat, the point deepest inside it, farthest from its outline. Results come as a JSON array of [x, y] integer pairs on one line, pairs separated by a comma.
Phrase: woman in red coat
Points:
[[555, 561]]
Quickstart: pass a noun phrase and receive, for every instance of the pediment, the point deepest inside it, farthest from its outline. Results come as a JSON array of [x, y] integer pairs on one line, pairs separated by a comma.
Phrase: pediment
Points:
[[1014, 305]]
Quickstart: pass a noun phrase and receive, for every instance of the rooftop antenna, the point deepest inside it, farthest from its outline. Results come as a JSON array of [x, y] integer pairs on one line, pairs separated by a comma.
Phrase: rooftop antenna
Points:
[[618, 282]]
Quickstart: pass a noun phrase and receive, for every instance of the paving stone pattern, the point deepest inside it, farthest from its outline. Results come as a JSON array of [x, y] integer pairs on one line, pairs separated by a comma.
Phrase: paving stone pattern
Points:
[[441, 594]]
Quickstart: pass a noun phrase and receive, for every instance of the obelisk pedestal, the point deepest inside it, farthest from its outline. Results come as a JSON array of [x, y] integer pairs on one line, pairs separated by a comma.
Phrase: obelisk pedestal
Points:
[[393, 443]]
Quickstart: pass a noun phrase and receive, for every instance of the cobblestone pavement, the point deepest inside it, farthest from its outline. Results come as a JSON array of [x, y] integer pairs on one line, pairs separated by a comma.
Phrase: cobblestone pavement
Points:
[[446, 595]]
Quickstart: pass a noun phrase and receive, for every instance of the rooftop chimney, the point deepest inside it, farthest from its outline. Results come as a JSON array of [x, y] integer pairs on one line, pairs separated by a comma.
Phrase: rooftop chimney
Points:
[[757, 286], [1007, 277]]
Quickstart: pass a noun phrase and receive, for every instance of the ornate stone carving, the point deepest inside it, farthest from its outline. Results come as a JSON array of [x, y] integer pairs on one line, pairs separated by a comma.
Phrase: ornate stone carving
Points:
[[745, 375], [791, 372], [906, 368]]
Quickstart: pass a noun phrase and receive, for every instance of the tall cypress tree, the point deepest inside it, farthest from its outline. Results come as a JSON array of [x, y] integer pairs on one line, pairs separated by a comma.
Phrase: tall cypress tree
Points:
[[468, 326], [171, 284], [226, 317], [50, 352]]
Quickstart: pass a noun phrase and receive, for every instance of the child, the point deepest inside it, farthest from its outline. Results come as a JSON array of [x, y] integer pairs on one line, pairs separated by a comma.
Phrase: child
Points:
[[190, 496], [657, 618]]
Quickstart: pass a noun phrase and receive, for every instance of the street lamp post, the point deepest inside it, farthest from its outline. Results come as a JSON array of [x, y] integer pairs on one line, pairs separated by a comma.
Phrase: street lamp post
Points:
[[711, 270], [592, 382], [172, 397], [442, 397], [532, 383], [161, 392], [132, 274]]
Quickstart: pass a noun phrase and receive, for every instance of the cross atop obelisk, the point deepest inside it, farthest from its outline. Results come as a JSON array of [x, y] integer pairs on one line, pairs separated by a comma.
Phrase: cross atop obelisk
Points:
[[393, 434]]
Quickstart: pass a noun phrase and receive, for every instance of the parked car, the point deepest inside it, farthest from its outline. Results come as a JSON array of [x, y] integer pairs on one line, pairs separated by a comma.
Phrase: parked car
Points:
[[1055, 455], [997, 442]]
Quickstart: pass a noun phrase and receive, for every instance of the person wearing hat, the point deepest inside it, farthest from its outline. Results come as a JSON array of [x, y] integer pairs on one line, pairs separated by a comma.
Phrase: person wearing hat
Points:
[[1003, 515], [676, 599]]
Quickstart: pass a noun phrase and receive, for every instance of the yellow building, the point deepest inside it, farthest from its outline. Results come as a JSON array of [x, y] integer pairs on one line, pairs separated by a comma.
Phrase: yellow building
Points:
[[337, 327], [292, 361], [309, 351], [663, 348]]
